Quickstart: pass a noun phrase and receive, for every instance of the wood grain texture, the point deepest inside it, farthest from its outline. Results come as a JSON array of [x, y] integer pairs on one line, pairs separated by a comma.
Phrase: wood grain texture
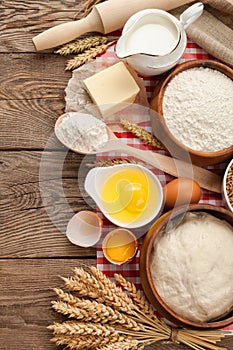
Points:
[[31, 204], [32, 76], [26, 292], [22, 20], [29, 124]]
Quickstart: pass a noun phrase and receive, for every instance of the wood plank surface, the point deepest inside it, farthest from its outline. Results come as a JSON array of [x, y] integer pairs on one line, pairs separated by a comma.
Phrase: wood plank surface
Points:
[[22, 20], [32, 76], [26, 293], [31, 99], [29, 124], [31, 204]]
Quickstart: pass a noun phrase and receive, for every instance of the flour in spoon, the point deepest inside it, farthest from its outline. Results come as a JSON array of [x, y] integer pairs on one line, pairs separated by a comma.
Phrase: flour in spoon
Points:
[[197, 107], [82, 132]]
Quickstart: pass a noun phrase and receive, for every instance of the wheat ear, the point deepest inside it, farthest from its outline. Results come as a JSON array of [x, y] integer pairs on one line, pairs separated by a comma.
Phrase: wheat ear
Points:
[[109, 302], [85, 335], [142, 134], [100, 285], [78, 46], [126, 345], [137, 296], [112, 162], [92, 311], [87, 56]]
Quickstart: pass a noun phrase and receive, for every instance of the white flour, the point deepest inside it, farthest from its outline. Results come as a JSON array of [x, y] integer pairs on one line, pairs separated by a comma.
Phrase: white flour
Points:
[[197, 108], [82, 132]]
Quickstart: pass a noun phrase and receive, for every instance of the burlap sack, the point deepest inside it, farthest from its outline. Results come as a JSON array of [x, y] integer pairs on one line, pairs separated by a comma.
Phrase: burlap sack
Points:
[[213, 31]]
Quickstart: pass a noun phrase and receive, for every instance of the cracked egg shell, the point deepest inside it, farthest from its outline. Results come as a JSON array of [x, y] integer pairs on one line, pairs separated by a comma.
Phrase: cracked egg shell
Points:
[[84, 229]]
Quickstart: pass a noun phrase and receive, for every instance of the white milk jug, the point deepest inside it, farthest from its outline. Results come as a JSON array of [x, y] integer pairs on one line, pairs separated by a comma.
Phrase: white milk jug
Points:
[[153, 40]]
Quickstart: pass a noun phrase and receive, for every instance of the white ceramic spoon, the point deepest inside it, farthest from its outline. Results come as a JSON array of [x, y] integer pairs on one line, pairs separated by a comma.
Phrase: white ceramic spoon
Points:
[[178, 168]]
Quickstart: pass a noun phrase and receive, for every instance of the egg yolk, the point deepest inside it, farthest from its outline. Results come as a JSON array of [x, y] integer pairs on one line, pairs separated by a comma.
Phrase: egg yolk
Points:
[[125, 194], [120, 247], [133, 196]]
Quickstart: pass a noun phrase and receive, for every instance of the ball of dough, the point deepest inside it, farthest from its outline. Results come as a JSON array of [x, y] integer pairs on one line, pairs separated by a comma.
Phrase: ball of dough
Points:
[[192, 266]]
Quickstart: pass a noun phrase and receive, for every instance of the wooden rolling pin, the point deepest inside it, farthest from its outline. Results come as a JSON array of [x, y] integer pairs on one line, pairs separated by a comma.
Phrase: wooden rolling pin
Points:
[[105, 17]]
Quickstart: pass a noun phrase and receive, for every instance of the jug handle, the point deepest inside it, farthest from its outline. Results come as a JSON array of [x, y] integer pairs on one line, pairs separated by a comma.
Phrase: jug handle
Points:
[[191, 14]]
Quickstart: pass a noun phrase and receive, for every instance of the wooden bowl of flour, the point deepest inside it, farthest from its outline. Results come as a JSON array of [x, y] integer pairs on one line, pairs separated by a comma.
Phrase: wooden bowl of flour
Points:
[[189, 269], [189, 139]]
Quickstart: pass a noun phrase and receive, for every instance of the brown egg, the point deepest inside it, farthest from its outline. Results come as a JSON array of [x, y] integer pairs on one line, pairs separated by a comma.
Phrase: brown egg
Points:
[[181, 191]]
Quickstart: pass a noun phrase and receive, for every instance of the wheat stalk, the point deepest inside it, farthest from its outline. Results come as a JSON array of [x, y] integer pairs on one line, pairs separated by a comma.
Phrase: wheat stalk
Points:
[[103, 289], [82, 288], [107, 316], [97, 291], [111, 162], [87, 55], [83, 43], [92, 311], [72, 327], [84, 342], [85, 335], [142, 134], [126, 345], [110, 288], [137, 296]]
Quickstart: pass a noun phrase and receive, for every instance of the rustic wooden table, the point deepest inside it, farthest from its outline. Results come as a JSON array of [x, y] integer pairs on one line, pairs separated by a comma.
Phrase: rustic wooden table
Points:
[[33, 251]]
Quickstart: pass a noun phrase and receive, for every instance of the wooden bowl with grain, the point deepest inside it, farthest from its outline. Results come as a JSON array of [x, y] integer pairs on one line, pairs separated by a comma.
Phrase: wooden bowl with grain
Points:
[[148, 284], [227, 186], [163, 132]]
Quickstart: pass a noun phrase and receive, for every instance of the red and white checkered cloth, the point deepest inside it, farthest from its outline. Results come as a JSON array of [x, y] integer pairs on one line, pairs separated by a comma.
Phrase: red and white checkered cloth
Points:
[[131, 270]]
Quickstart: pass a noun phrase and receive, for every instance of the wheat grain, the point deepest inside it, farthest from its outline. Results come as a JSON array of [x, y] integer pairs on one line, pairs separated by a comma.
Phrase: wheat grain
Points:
[[143, 305], [70, 310], [83, 43], [108, 285], [92, 311], [80, 287], [87, 286], [229, 185], [84, 335], [73, 327], [137, 296], [68, 297], [112, 162], [142, 134], [126, 345], [109, 318], [81, 342], [87, 56], [107, 292]]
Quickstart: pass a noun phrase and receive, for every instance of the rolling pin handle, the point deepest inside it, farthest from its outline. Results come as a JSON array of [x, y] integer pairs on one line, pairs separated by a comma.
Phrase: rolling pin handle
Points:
[[66, 32]]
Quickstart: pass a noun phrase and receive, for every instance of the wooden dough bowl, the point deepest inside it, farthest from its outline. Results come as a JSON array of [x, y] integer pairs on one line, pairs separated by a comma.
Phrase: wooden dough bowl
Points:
[[161, 131], [146, 278]]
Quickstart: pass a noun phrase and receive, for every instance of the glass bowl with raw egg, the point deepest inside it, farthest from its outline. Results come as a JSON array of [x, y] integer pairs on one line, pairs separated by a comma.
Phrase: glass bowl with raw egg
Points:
[[129, 195]]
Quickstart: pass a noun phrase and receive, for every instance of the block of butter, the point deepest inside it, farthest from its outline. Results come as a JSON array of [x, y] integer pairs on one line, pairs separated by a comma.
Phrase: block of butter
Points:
[[112, 89]]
